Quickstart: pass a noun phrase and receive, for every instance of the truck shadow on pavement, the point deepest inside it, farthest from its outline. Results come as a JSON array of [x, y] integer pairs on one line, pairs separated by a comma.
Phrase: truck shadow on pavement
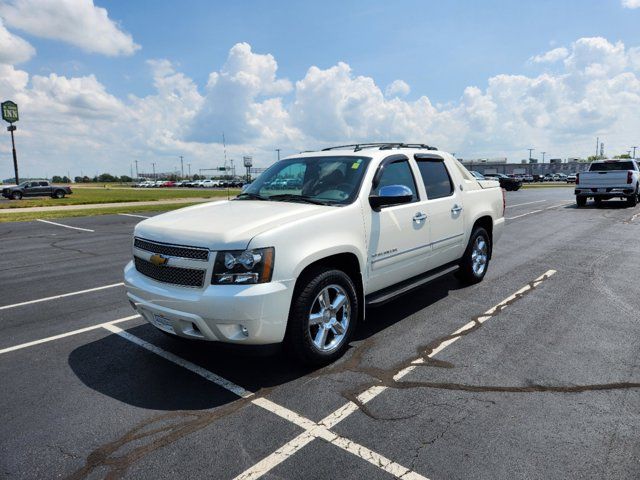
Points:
[[131, 374]]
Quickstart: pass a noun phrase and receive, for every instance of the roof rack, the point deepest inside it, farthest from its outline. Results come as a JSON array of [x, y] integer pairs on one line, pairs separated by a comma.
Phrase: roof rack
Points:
[[382, 146]]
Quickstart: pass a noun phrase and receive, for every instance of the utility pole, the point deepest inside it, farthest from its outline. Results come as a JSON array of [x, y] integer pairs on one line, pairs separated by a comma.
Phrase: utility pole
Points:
[[181, 168], [543, 154], [137, 176], [530, 150], [153, 164], [278, 150], [634, 152], [189, 165]]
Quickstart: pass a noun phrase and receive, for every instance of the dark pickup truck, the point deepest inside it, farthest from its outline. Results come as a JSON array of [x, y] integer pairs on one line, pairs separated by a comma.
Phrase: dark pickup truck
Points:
[[39, 188]]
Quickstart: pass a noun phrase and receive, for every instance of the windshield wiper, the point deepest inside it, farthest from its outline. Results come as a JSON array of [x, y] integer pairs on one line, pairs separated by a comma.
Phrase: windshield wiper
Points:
[[251, 196], [298, 198]]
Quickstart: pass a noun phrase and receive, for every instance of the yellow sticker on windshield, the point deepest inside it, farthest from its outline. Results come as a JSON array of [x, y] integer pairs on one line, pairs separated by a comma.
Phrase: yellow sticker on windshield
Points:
[[355, 165]]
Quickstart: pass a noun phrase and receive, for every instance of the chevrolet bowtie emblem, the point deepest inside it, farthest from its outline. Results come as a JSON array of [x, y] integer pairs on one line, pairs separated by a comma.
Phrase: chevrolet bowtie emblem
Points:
[[158, 259]]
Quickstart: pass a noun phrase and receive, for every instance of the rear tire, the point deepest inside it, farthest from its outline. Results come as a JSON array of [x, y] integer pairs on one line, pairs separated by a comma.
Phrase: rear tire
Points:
[[16, 196], [597, 201], [323, 316], [58, 194], [581, 201], [475, 261], [632, 200]]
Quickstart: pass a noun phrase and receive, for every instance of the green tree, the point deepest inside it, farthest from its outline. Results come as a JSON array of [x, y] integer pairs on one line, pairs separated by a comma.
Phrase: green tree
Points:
[[57, 179], [624, 155]]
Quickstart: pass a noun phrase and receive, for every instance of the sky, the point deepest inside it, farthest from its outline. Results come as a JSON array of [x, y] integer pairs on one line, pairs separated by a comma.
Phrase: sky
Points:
[[102, 84]]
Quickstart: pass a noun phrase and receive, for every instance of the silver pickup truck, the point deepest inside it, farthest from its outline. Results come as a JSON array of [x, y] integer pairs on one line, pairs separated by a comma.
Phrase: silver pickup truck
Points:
[[609, 179]]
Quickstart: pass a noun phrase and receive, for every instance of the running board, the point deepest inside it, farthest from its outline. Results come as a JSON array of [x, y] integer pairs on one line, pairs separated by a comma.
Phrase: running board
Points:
[[389, 293]]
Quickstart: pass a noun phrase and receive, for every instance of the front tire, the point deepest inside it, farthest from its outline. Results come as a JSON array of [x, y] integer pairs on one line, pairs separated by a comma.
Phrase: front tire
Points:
[[475, 261], [16, 196], [323, 316], [58, 194]]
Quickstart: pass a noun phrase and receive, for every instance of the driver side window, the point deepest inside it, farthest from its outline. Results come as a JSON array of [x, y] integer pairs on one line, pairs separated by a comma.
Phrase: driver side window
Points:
[[398, 173]]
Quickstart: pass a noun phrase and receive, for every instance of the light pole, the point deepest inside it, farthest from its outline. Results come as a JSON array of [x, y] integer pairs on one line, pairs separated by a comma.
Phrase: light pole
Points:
[[153, 164], [543, 154], [181, 168], [137, 176], [634, 152], [189, 165], [530, 150], [278, 150]]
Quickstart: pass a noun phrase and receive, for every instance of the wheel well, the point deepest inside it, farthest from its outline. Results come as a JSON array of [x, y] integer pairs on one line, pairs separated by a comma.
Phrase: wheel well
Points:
[[486, 222], [348, 263]]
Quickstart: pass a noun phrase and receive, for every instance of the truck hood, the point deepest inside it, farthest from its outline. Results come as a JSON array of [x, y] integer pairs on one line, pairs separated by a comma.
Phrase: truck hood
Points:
[[228, 225]]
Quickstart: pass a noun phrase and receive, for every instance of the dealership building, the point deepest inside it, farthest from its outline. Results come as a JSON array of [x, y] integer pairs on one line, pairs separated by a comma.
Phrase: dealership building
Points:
[[525, 167]]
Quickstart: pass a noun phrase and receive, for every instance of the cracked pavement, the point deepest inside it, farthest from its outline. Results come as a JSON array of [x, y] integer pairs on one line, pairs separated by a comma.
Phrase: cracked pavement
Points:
[[546, 386]]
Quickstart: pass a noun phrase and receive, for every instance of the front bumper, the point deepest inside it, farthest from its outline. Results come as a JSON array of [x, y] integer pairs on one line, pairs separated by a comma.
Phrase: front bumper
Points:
[[243, 314]]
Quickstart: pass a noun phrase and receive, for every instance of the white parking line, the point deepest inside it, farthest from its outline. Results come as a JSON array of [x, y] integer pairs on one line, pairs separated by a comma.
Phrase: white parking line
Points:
[[320, 431], [312, 429], [527, 203], [65, 226], [294, 445], [559, 205], [68, 334], [212, 377], [131, 215], [64, 295], [523, 215]]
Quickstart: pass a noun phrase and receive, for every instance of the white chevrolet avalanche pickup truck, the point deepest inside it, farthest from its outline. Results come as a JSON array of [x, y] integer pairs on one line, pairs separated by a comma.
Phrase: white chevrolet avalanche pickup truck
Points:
[[356, 226], [609, 179]]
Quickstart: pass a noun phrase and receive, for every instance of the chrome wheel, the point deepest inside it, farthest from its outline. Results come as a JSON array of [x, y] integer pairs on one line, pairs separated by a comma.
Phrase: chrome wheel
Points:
[[479, 256], [329, 318]]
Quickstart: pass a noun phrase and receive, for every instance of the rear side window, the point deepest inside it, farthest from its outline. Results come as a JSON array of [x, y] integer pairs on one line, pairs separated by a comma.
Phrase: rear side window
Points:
[[44, 184], [608, 166], [436, 178], [398, 173]]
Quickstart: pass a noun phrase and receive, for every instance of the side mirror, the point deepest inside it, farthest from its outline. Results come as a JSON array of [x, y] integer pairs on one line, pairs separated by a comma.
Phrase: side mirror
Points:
[[390, 195]]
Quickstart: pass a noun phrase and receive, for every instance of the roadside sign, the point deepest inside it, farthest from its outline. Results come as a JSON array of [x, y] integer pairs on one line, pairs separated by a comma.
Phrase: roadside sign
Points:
[[248, 161], [10, 111]]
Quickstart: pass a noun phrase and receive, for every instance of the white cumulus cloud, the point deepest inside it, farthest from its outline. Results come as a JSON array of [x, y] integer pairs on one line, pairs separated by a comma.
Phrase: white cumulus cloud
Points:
[[397, 88], [631, 3], [78, 22], [74, 122], [551, 56], [14, 49]]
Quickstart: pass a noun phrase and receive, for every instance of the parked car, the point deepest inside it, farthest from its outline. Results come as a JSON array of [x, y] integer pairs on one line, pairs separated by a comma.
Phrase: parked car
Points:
[[527, 178], [37, 188], [505, 182], [571, 178], [538, 177], [609, 179], [303, 267], [209, 183], [477, 175]]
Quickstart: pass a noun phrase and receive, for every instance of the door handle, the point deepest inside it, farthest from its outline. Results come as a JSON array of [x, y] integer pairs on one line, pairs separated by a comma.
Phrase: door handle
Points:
[[418, 217], [456, 209]]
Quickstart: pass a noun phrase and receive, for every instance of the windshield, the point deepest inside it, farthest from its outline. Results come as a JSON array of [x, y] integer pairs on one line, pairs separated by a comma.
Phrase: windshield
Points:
[[608, 166], [331, 180]]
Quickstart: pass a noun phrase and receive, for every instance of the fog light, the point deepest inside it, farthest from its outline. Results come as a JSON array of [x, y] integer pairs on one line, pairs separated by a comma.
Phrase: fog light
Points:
[[245, 332]]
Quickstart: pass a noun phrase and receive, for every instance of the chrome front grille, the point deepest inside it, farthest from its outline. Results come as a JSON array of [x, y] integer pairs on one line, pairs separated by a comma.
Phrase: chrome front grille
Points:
[[186, 277], [193, 253]]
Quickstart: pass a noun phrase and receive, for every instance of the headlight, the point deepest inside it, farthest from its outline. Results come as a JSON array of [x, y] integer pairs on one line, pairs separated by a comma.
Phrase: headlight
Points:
[[243, 267]]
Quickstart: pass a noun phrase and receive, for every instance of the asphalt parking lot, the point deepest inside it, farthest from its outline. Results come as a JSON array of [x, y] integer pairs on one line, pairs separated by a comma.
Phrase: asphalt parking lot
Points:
[[534, 373]]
